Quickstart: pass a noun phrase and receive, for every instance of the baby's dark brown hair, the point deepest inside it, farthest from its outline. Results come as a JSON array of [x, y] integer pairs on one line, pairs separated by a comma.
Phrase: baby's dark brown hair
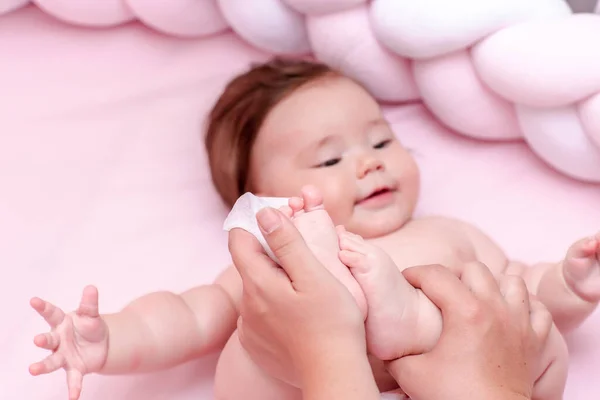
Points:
[[237, 116]]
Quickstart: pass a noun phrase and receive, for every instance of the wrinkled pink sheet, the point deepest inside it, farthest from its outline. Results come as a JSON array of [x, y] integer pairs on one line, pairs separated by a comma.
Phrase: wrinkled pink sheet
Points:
[[103, 180]]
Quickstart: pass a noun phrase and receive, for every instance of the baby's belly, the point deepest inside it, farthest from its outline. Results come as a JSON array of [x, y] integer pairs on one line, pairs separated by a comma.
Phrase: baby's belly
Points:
[[238, 377]]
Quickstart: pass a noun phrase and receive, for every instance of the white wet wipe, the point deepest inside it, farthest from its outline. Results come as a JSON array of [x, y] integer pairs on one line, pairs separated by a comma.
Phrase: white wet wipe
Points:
[[243, 215]]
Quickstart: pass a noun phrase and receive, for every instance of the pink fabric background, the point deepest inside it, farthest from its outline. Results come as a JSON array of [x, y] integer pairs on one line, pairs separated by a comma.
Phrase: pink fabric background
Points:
[[103, 180]]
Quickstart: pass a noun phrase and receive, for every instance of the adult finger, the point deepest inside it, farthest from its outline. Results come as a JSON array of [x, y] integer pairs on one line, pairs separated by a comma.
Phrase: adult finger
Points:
[[260, 275], [288, 245], [248, 256], [541, 320], [440, 285], [479, 279], [409, 370], [516, 295]]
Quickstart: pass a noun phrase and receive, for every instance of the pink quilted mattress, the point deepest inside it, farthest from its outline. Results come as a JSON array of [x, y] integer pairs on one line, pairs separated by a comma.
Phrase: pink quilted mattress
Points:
[[103, 180]]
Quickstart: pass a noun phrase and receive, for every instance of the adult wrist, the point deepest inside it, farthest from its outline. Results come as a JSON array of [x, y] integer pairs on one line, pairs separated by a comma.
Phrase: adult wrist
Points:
[[342, 371], [328, 350], [475, 391], [501, 394], [510, 396]]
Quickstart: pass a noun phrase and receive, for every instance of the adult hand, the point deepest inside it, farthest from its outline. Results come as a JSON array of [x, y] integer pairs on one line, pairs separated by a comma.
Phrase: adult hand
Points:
[[491, 339], [298, 314]]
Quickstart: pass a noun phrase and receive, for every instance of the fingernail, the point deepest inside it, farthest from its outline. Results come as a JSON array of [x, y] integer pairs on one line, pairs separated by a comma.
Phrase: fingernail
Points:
[[268, 220]]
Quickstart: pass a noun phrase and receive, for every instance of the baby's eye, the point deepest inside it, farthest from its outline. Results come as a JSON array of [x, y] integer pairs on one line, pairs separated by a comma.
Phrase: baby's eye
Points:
[[330, 163], [382, 144]]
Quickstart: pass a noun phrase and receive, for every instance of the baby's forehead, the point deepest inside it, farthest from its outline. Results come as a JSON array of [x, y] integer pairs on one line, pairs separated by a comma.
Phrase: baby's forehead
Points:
[[311, 114], [291, 139]]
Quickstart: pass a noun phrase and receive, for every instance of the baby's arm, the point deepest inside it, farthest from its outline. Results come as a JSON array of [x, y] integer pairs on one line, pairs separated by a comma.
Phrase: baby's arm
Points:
[[546, 280], [155, 331], [164, 329]]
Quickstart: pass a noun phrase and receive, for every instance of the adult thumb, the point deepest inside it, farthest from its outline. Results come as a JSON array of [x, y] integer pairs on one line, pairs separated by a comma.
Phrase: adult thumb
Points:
[[410, 372], [287, 243]]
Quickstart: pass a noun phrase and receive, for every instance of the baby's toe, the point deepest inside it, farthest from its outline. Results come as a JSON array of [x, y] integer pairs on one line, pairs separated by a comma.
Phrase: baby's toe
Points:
[[287, 211], [351, 242], [355, 261], [313, 200], [296, 204]]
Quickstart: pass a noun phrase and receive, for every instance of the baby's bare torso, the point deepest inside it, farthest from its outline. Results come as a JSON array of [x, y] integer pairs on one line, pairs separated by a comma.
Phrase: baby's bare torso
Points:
[[431, 240]]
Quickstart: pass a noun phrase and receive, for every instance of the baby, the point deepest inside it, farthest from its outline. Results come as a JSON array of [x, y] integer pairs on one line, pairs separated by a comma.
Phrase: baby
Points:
[[276, 129]]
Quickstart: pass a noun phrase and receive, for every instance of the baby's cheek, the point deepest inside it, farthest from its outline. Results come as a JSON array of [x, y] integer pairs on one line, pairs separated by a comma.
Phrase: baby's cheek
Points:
[[409, 172], [339, 206]]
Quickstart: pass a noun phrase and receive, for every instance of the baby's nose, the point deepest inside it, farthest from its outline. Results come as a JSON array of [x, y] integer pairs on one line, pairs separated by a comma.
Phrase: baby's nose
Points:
[[369, 165]]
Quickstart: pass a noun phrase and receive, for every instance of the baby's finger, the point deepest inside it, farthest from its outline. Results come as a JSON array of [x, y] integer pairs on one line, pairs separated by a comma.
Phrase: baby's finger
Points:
[[48, 341], [74, 383], [89, 302], [52, 314], [47, 365], [583, 248]]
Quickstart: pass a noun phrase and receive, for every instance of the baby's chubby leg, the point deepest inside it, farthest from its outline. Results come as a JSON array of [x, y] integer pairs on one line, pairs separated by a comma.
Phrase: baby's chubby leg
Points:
[[394, 306]]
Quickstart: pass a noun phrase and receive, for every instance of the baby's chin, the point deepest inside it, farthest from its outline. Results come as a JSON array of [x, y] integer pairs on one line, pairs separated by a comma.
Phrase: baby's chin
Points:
[[376, 225]]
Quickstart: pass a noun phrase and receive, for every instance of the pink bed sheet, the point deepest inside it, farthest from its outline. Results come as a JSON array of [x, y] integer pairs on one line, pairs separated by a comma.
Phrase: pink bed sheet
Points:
[[103, 180]]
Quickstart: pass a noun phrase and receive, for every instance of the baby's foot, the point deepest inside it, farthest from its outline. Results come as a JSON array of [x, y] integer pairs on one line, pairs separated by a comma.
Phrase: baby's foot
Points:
[[318, 230], [581, 268], [392, 301]]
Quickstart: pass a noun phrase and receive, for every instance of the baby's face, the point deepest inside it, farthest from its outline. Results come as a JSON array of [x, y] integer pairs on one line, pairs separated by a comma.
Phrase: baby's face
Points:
[[331, 134]]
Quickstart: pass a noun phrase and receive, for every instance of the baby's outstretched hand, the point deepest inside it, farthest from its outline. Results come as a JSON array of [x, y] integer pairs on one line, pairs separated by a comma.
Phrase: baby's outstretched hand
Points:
[[78, 340], [581, 268]]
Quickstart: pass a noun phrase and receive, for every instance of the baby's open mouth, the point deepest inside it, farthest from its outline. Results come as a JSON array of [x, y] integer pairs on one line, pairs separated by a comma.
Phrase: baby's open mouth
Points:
[[378, 192], [382, 192]]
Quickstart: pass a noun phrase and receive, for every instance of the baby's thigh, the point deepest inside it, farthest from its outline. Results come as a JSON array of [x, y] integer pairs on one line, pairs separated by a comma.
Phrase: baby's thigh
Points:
[[239, 378]]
